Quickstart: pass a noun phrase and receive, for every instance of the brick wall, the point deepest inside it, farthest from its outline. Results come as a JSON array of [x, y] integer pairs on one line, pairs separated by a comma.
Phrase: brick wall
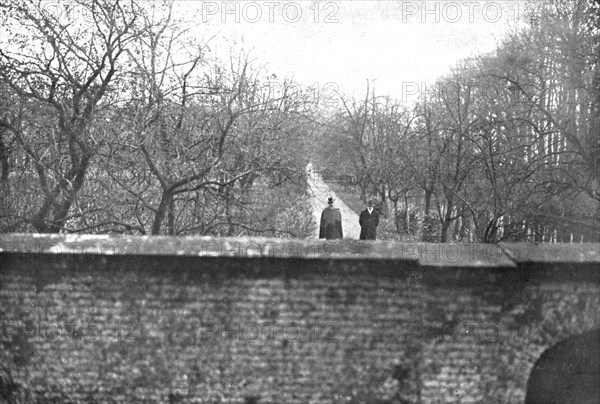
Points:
[[201, 320]]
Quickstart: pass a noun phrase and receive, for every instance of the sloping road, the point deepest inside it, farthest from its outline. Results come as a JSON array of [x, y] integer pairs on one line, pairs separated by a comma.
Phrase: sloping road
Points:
[[319, 192]]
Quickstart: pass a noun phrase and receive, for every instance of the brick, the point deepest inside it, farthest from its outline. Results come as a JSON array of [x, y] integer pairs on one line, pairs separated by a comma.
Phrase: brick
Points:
[[285, 330]]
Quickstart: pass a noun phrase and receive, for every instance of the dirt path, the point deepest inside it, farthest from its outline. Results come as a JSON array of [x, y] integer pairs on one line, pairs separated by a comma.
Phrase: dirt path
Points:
[[319, 192]]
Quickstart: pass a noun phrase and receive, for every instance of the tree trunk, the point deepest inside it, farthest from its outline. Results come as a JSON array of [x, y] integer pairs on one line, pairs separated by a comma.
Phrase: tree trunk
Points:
[[384, 202], [171, 218], [40, 221], [407, 213], [363, 192], [228, 213], [395, 201], [428, 194], [444, 232], [76, 183], [69, 189], [165, 201], [457, 227], [446, 221], [4, 162], [491, 231]]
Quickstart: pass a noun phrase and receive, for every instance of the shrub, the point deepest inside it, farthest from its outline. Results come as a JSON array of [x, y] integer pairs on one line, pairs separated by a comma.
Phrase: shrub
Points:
[[407, 228], [431, 231]]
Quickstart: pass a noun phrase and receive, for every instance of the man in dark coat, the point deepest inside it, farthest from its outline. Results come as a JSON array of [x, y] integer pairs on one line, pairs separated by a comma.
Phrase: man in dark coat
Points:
[[331, 222], [369, 220]]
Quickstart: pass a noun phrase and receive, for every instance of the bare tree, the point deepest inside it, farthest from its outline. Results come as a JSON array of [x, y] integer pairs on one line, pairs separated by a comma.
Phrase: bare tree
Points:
[[66, 67]]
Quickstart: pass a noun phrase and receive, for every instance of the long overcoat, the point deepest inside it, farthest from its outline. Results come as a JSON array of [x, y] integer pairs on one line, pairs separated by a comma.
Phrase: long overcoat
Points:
[[368, 224], [331, 224]]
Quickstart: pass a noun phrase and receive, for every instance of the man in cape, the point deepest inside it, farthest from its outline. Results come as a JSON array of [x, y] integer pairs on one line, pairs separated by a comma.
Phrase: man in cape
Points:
[[331, 222]]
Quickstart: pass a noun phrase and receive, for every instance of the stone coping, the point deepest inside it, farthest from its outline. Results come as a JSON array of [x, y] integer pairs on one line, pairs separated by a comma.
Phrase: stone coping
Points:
[[470, 255]]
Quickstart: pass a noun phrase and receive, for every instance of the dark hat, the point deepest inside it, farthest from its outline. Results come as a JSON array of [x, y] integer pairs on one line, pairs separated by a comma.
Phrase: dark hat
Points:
[[330, 200], [370, 202]]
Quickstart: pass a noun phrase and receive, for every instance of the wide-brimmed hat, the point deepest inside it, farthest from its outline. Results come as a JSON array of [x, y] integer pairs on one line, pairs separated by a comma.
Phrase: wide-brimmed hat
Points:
[[330, 200]]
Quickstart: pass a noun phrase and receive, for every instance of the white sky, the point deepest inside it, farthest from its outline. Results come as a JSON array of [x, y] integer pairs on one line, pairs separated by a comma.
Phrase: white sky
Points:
[[398, 45]]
